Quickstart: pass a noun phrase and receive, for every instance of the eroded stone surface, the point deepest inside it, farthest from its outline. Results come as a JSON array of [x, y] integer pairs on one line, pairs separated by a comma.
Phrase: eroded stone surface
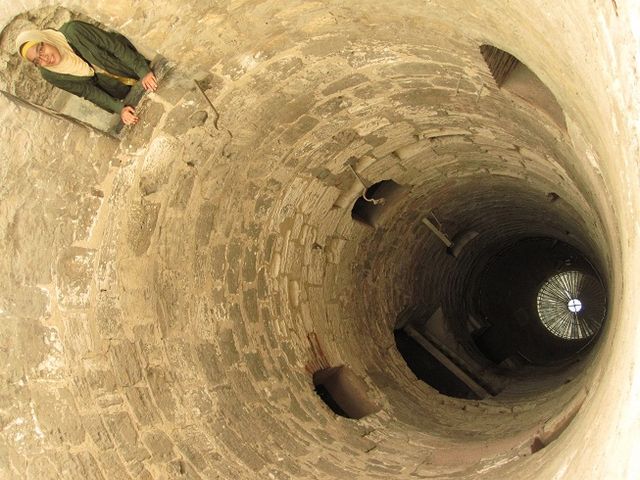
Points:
[[164, 300]]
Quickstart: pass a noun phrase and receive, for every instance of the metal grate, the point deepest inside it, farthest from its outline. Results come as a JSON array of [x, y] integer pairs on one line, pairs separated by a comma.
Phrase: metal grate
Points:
[[572, 305]]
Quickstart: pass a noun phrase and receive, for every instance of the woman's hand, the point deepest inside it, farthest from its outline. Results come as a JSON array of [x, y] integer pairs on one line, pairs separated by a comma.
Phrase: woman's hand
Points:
[[150, 82], [128, 115]]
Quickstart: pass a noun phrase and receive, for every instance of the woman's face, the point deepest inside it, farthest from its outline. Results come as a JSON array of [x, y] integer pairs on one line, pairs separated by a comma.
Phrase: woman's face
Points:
[[44, 55]]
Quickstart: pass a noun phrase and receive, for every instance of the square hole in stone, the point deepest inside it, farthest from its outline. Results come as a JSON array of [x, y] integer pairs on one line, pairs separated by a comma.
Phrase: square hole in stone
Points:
[[376, 202], [343, 392]]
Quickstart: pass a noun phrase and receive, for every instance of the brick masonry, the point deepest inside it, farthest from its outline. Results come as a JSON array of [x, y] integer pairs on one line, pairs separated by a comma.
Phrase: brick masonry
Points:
[[164, 298]]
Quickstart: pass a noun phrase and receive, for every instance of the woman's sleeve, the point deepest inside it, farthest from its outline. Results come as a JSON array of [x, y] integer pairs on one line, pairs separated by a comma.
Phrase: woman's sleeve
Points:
[[87, 90], [114, 43]]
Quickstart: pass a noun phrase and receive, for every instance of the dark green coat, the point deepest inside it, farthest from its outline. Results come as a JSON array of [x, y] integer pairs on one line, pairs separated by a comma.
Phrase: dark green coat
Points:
[[108, 50]]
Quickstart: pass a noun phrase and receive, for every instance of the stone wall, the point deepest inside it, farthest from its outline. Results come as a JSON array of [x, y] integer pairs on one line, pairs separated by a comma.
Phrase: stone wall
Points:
[[166, 299]]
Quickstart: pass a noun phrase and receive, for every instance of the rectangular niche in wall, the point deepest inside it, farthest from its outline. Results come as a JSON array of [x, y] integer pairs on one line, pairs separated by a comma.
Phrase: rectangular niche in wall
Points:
[[376, 202], [512, 75], [343, 392]]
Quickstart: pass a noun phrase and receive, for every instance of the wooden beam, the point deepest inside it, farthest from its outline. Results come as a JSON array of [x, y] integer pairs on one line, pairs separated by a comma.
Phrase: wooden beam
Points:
[[437, 232], [446, 362]]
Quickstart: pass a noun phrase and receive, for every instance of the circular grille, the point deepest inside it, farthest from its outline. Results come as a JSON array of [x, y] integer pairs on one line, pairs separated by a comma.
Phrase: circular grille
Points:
[[572, 305]]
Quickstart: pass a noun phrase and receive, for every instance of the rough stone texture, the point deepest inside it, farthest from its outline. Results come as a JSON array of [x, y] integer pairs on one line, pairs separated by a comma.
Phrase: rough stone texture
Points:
[[165, 299]]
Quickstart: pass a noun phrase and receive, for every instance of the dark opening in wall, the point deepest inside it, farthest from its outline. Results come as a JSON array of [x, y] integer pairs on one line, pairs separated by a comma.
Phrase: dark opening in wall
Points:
[[525, 294], [343, 392], [500, 63], [376, 202], [515, 77], [442, 359], [430, 369]]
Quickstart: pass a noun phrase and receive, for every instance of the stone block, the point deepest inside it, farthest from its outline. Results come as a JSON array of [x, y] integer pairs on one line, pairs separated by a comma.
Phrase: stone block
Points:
[[142, 473], [292, 263], [142, 405], [125, 436], [244, 385], [285, 68], [326, 44], [163, 153], [262, 284], [201, 401], [412, 69], [190, 448], [211, 362], [315, 272], [79, 465], [57, 415], [112, 466], [227, 347], [276, 264], [202, 264], [151, 351], [284, 109], [256, 366], [138, 470], [126, 363], [98, 375], [218, 262], [269, 245], [299, 129], [234, 253], [333, 106], [296, 447], [160, 445], [97, 431], [249, 265], [263, 204], [74, 279], [457, 146], [182, 188], [27, 239], [344, 83], [40, 467], [106, 400], [244, 452], [250, 304], [179, 469], [186, 115], [180, 355], [141, 223], [122, 429], [427, 97], [267, 319], [170, 309], [161, 388], [205, 224], [85, 213], [24, 301], [27, 346], [138, 137], [239, 328]]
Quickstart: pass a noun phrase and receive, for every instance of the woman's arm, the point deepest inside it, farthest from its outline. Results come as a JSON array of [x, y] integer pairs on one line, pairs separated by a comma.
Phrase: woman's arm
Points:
[[91, 39], [84, 87]]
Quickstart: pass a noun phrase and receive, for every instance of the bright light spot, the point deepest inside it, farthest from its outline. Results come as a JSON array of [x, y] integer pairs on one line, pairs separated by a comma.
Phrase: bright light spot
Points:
[[574, 305]]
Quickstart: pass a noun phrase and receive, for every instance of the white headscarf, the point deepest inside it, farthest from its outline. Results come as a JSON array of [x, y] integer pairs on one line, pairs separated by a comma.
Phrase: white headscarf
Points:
[[70, 63]]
